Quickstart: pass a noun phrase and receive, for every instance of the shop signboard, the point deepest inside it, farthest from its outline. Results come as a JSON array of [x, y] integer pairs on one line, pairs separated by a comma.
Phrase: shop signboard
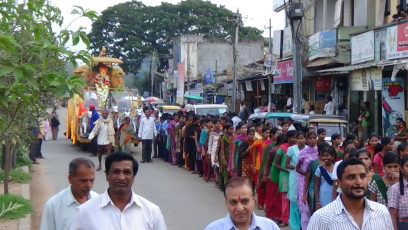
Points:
[[322, 83], [397, 41], [393, 104], [362, 47], [209, 76], [285, 69], [180, 83], [322, 44], [287, 42], [248, 86], [277, 41], [366, 79]]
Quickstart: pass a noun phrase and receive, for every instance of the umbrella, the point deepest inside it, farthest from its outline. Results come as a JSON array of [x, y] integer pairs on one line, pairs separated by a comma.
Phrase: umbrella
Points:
[[194, 97], [152, 99], [155, 100]]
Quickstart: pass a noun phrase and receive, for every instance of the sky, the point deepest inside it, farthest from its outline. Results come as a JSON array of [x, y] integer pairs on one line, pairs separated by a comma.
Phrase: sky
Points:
[[255, 13]]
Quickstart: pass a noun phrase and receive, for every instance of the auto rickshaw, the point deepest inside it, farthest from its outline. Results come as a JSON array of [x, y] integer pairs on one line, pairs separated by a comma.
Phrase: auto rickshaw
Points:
[[331, 123], [272, 118]]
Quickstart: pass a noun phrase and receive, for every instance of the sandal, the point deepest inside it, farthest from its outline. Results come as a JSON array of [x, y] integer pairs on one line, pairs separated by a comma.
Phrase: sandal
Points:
[[99, 168], [283, 224]]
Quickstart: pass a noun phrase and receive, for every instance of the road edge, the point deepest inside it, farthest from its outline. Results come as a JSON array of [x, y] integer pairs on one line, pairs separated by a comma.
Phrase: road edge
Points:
[[25, 222]]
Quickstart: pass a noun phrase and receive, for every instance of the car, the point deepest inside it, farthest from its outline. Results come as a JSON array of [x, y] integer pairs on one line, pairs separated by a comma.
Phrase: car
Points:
[[211, 109]]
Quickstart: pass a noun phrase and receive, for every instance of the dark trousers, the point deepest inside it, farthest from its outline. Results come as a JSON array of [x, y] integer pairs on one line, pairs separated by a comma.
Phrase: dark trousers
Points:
[[147, 150], [192, 159], [94, 145], [33, 151], [156, 145], [39, 144]]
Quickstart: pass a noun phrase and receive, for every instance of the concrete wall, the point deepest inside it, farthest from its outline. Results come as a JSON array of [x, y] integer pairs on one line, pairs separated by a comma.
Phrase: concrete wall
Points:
[[199, 54], [360, 13], [219, 55]]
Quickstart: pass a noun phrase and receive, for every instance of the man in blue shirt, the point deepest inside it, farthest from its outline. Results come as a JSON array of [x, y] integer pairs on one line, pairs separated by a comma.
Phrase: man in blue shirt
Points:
[[240, 200], [94, 117]]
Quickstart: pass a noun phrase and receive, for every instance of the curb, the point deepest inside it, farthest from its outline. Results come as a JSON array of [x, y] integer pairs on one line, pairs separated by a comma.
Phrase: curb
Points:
[[25, 222]]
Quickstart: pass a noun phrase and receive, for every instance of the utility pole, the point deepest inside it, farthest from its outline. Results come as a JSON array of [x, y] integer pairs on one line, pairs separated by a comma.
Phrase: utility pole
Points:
[[237, 22], [152, 73], [297, 83], [269, 76]]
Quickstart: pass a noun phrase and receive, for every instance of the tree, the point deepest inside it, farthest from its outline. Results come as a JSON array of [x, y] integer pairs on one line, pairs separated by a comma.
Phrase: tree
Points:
[[32, 59], [132, 30]]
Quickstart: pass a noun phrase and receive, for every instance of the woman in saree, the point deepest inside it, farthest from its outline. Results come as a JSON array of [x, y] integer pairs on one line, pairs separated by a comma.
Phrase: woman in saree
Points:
[[246, 156], [280, 162], [273, 202], [126, 132], [235, 158], [259, 148]]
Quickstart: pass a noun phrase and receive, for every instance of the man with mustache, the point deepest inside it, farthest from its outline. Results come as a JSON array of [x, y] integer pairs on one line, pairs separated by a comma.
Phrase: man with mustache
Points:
[[240, 200], [119, 207], [351, 210], [58, 210]]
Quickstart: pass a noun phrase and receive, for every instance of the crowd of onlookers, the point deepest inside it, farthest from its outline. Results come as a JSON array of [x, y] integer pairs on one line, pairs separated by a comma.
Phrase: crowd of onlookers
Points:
[[294, 172]]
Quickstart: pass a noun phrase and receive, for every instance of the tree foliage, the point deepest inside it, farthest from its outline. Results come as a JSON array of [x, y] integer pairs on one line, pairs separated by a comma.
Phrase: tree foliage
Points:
[[32, 59], [132, 30]]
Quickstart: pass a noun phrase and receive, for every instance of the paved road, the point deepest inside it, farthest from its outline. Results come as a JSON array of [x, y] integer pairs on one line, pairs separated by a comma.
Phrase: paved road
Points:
[[187, 202]]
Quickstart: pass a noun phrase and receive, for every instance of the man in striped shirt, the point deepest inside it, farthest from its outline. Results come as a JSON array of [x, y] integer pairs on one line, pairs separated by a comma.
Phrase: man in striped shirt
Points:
[[351, 210]]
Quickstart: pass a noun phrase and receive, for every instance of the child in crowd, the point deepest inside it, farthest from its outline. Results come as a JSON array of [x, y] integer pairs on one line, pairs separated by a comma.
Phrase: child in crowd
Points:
[[380, 185], [402, 150], [336, 141], [398, 198], [306, 155], [383, 147], [321, 134], [365, 157], [322, 177], [371, 143], [291, 162]]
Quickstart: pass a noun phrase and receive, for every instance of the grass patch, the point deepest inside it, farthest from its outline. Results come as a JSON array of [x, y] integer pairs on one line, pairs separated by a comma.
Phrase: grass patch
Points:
[[17, 176], [13, 206]]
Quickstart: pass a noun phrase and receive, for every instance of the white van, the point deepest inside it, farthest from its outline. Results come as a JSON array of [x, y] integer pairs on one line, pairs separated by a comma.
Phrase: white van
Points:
[[212, 109]]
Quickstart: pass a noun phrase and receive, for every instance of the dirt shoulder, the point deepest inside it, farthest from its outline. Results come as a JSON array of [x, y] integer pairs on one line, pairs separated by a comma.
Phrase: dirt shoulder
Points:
[[40, 192]]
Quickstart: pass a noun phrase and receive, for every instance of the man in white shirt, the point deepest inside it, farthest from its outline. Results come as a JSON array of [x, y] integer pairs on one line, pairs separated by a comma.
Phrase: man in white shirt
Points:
[[119, 207], [351, 210], [329, 107], [240, 200], [147, 132], [290, 122], [59, 209], [235, 120], [105, 131]]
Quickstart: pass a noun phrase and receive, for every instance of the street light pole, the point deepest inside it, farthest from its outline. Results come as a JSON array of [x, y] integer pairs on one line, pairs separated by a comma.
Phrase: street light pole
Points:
[[235, 47]]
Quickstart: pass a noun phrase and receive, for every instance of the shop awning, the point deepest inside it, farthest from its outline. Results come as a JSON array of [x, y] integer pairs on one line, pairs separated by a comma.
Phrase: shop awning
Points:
[[347, 69]]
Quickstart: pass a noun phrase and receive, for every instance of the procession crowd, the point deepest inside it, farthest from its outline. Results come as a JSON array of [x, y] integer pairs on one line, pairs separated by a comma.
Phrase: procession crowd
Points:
[[294, 172]]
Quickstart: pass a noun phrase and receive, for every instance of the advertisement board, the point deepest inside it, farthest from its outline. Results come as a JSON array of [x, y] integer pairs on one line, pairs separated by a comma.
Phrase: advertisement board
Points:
[[323, 83], [362, 47], [366, 79], [285, 69], [180, 83], [322, 44], [397, 41], [393, 104], [287, 42]]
